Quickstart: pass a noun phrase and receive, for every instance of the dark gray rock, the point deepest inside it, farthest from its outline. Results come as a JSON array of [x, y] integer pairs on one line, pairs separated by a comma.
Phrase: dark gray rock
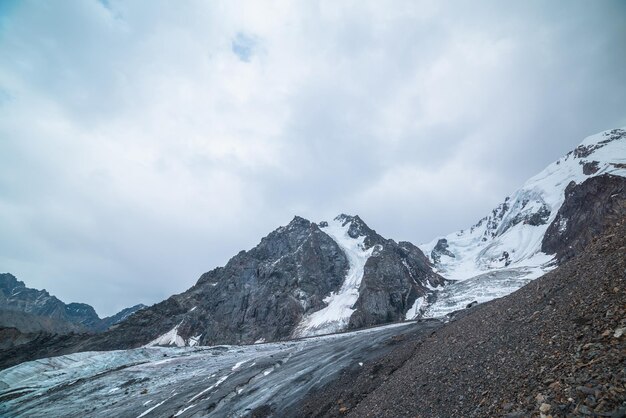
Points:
[[32, 310], [440, 249], [590, 167], [589, 208], [41, 309], [394, 277]]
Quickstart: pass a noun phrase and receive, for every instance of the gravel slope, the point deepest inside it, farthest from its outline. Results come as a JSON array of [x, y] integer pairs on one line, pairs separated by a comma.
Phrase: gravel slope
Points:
[[555, 347]]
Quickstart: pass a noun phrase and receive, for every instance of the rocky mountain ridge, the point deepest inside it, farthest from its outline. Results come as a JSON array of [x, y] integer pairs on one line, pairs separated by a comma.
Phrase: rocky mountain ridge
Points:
[[302, 279], [32, 310], [306, 278]]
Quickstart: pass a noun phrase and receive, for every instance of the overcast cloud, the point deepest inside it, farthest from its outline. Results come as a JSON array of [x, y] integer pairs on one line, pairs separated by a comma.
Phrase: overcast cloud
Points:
[[143, 143]]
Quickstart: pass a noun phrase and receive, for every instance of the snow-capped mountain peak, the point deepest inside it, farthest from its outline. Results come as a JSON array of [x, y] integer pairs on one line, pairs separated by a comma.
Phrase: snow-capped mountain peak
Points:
[[349, 234], [511, 235], [548, 219], [553, 215]]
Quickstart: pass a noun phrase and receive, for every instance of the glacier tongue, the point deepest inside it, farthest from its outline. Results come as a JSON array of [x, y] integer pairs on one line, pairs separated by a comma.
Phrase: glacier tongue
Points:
[[336, 315]]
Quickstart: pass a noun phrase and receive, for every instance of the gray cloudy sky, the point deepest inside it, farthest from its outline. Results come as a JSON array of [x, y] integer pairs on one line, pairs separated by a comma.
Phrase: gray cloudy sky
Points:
[[143, 143]]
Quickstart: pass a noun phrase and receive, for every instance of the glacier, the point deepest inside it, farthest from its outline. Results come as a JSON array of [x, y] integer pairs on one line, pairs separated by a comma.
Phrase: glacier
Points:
[[189, 381]]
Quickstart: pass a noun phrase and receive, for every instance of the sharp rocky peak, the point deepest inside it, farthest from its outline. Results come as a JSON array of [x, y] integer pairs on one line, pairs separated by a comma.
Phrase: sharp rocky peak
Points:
[[303, 278], [356, 228]]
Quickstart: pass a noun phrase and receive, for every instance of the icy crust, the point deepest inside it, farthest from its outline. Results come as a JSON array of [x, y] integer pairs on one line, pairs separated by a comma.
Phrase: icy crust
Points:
[[336, 315], [511, 236], [482, 288], [201, 381]]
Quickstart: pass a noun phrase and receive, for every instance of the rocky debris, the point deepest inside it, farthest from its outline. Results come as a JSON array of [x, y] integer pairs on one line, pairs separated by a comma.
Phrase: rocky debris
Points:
[[556, 348], [354, 383], [589, 208], [17, 347], [10, 337]]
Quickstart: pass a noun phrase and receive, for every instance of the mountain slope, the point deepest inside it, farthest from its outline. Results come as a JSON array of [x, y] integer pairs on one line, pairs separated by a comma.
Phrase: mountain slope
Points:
[[555, 347], [543, 223]]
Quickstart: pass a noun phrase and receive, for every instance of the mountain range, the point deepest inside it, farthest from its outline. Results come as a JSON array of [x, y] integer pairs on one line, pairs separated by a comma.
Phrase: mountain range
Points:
[[306, 278], [314, 320], [32, 310]]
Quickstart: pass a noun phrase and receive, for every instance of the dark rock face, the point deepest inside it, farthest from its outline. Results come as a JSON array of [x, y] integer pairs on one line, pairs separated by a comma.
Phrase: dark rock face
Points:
[[16, 298], [440, 249], [590, 167], [32, 310], [393, 279], [260, 294], [588, 209], [83, 314]]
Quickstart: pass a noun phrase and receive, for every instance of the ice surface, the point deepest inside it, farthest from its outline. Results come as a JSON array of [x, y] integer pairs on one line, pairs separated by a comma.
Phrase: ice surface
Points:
[[199, 381], [481, 288], [336, 315]]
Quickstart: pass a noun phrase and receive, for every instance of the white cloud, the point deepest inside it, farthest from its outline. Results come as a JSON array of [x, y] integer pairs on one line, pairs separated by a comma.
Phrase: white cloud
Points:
[[143, 143]]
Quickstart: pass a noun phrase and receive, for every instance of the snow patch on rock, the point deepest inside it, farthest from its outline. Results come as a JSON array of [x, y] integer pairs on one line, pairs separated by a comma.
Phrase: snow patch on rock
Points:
[[339, 305], [170, 338], [415, 310]]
